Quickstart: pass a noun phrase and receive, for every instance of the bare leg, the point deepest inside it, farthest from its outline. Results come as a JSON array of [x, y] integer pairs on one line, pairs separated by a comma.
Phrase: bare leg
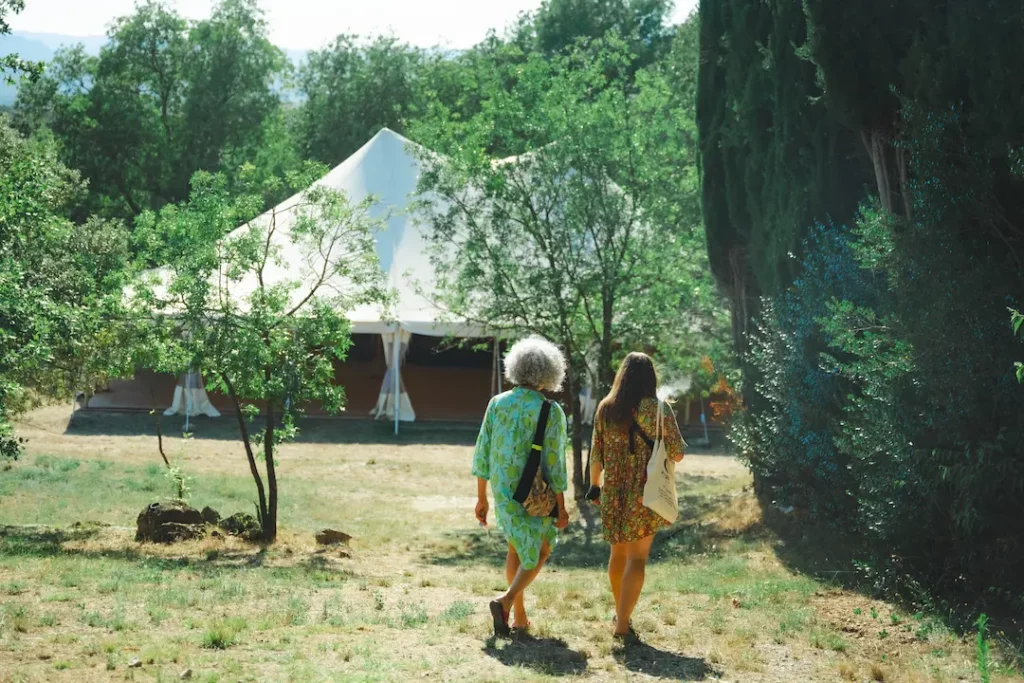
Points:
[[632, 582], [616, 568], [522, 579], [519, 605]]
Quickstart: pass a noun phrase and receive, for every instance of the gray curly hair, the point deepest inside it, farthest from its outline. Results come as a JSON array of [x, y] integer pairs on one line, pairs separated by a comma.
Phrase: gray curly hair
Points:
[[536, 363]]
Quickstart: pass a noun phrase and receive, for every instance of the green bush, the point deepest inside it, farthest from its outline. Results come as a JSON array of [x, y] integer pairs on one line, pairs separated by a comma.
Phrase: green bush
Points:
[[884, 393]]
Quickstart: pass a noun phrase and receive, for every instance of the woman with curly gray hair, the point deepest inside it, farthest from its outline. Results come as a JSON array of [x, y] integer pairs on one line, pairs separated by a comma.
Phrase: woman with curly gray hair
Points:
[[506, 440]]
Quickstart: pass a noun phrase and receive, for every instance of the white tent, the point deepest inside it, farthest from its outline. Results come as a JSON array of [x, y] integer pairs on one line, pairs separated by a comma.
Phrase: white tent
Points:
[[385, 168], [190, 398]]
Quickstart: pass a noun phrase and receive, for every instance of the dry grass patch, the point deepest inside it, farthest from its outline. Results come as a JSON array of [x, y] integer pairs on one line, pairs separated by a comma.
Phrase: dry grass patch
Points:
[[409, 603]]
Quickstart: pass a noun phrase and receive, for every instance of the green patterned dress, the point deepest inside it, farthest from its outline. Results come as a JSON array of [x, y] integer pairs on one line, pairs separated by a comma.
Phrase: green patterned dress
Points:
[[501, 450]]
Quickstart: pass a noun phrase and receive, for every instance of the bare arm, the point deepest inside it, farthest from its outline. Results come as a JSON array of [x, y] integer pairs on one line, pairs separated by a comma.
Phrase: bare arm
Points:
[[481, 501]]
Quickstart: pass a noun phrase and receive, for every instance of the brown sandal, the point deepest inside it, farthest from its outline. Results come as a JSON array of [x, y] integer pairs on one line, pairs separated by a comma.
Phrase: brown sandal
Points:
[[500, 618]]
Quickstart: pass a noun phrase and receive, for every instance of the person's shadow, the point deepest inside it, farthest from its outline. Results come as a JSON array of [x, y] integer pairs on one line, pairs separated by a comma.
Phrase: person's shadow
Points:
[[643, 658], [549, 656]]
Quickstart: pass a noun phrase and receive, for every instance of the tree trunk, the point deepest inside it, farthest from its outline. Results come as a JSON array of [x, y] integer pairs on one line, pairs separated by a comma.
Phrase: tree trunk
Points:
[[605, 375], [262, 510], [901, 164], [876, 146], [575, 409], [270, 525]]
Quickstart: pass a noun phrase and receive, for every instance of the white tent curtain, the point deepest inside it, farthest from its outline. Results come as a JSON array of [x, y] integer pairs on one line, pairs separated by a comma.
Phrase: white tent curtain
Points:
[[588, 404], [190, 397], [386, 400]]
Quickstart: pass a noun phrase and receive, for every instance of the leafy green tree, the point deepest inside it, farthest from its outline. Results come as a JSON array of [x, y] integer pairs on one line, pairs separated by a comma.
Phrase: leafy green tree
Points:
[[353, 90], [10, 65], [229, 93], [772, 160], [588, 239], [262, 309], [643, 24], [163, 99], [60, 283], [880, 391]]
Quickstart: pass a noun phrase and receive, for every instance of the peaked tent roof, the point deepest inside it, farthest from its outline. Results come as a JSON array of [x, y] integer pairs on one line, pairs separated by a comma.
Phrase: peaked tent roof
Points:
[[386, 169]]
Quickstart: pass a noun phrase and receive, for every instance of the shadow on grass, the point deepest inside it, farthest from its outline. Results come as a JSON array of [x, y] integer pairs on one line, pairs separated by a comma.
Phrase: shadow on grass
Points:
[[48, 542], [549, 656], [311, 429], [582, 545], [651, 661]]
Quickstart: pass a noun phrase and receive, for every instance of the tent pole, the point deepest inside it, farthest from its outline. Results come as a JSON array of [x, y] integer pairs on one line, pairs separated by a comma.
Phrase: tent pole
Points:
[[188, 400], [397, 360], [494, 368]]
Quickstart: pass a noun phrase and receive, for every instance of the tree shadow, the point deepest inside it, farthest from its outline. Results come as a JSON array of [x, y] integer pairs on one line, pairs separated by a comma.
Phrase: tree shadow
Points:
[[549, 656], [311, 429], [651, 661], [582, 545], [47, 542]]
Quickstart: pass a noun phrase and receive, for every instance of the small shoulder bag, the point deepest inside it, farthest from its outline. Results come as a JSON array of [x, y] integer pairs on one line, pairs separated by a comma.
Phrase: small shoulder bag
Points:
[[533, 492]]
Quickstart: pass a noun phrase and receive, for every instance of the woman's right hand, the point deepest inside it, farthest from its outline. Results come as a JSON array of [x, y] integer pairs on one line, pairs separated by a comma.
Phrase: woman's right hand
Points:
[[563, 518], [481, 511]]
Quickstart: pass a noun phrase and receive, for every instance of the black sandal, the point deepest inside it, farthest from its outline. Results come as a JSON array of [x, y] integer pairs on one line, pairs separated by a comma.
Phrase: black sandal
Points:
[[500, 618]]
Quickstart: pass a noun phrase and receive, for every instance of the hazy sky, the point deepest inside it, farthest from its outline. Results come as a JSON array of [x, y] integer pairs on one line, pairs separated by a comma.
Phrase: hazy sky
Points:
[[304, 24]]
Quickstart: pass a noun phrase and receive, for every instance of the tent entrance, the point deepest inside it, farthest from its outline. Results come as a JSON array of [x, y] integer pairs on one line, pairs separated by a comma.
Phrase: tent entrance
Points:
[[446, 380]]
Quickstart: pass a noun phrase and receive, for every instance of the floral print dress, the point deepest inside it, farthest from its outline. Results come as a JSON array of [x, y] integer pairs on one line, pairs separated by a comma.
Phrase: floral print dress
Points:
[[624, 454], [501, 451]]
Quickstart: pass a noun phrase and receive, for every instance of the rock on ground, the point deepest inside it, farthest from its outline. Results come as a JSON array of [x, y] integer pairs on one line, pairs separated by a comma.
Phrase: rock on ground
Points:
[[168, 522], [332, 537], [241, 524]]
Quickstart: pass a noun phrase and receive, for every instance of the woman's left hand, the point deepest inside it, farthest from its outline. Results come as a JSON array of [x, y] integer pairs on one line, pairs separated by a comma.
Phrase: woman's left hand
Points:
[[563, 519]]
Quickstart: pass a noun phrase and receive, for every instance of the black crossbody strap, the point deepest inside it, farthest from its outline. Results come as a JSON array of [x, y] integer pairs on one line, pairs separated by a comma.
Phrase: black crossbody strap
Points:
[[533, 460], [637, 429]]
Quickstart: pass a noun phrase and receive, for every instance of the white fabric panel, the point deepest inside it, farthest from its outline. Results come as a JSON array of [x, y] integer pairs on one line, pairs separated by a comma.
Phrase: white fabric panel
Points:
[[588, 405], [190, 398], [385, 407]]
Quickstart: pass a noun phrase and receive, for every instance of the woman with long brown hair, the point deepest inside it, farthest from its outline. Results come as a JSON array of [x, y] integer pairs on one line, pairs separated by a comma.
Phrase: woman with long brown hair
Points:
[[625, 428]]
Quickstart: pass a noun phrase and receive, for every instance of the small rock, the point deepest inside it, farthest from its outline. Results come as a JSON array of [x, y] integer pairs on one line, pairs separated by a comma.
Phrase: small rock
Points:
[[210, 516], [134, 663], [186, 674], [332, 537], [44, 656], [736, 603], [241, 524], [215, 534]]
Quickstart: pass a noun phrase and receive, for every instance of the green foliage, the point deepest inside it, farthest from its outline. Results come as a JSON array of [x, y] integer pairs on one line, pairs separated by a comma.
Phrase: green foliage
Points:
[[773, 162], [594, 236], [559, 25], [354, 90], [60, 283], [879, 370], [11, 65], [163, 99], [226, 302], [223, 633], [981, 649]]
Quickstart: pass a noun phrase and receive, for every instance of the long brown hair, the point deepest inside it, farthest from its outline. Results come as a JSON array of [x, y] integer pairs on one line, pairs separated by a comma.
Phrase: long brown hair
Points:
[[635, 381]]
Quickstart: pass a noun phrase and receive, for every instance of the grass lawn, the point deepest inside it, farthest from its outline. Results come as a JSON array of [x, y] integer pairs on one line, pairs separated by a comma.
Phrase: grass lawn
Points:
[[80, 600]]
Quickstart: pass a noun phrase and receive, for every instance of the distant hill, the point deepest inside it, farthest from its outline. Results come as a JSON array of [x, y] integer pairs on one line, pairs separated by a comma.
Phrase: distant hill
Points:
[[40, 47]]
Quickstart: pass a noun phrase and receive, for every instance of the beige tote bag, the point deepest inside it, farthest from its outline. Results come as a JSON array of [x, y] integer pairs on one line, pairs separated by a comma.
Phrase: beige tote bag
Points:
[[660, 489]]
